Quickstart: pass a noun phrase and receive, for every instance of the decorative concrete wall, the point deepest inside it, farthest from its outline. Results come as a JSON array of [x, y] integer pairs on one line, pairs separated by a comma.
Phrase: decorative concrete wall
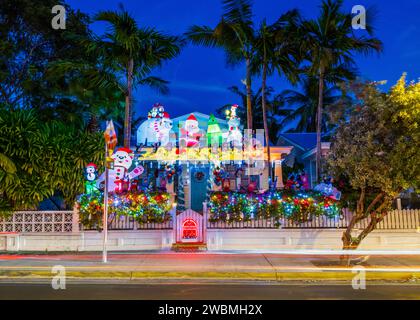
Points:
[[59, 231], [217, 239], [88, 241], [316, 239]]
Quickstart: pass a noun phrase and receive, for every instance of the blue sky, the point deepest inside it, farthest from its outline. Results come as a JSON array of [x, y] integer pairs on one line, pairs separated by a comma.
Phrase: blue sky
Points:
[[199, 77]]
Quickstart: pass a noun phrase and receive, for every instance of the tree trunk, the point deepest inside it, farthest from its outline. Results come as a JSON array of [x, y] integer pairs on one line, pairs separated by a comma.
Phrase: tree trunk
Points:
[[346, 238], [127, 118], [318, 125], [264, 110], [93, 125], [248, 95]]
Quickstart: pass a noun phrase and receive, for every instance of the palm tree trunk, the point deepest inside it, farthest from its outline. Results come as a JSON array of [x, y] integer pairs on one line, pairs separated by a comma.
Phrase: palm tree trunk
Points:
[[127, 118], [93, 125], [248, 95], [318, 125], [264, 110]]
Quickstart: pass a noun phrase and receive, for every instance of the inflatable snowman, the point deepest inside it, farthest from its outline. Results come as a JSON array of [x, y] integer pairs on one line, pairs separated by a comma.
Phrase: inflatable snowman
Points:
[[156, 129], [121, 174]]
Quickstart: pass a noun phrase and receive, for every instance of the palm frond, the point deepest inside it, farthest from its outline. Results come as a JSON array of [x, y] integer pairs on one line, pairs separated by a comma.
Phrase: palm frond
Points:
[[202, 35], [155, 83], [6, 164]]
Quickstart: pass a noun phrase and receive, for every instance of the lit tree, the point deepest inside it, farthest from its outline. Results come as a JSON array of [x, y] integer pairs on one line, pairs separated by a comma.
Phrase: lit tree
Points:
[[377, 152]]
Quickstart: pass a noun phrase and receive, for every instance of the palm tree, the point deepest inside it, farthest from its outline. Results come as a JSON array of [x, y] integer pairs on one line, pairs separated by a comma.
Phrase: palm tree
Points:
[[330, 42], [83, 102], [235, 34], [275, 48], [303, 104], [274, 108], [130, 53]]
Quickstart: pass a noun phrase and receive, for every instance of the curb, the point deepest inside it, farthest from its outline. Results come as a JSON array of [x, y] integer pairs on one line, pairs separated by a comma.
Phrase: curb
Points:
[[279, 276]]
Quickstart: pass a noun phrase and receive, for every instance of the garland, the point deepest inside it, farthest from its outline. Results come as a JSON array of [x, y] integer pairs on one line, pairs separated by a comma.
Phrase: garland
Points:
[[295, 206], [145, 207]]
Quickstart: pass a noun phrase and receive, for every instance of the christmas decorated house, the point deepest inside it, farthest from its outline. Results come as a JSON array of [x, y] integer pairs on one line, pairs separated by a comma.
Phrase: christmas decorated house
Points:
[[193, 166], [206, 154]]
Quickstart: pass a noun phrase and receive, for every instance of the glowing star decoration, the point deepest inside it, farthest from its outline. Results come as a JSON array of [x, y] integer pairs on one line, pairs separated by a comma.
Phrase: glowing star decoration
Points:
[[91, 175], [214, 134], [190, 133], [156, 129], [234, 134]]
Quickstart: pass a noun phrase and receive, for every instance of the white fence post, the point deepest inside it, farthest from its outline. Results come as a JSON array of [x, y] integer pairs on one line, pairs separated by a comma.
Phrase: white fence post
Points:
[[75, 220], [174, 224], [205, 222]]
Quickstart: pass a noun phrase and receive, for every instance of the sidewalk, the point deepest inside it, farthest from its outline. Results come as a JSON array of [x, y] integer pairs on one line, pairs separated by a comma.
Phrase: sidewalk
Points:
[[252, 266]]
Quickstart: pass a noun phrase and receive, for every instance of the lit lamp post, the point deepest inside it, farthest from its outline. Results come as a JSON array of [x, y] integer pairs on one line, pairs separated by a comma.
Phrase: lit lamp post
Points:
[[110, 143]]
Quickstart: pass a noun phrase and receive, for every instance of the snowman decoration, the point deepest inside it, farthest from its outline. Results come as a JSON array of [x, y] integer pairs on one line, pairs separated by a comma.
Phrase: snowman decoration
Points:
[[234, 133], [190, 133], [156, 129], [91, 175], [120, 175]]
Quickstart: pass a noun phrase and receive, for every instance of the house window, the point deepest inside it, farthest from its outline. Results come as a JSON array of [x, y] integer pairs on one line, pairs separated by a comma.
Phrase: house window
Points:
[[189, 229]]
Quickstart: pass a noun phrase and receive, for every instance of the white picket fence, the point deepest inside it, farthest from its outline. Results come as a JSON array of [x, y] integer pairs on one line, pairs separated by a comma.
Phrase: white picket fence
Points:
[[396, 219], [67, 222]]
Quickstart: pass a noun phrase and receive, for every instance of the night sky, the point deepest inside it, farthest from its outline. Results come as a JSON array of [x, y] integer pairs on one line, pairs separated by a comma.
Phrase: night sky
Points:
[[199, 77]]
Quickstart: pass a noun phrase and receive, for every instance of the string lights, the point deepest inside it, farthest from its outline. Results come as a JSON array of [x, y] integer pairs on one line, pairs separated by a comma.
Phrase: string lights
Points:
[[297, 207]]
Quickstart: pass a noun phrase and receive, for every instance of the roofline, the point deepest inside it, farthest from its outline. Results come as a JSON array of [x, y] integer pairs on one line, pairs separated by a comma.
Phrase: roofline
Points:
[[292, 142], [203, 115], [324, 145]]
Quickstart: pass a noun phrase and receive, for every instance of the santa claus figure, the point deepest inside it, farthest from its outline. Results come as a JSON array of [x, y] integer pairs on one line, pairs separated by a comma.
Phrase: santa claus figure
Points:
[[191, 132]]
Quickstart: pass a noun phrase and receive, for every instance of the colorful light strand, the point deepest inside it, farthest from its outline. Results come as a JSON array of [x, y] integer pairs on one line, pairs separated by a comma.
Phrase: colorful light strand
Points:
[[295, 206]]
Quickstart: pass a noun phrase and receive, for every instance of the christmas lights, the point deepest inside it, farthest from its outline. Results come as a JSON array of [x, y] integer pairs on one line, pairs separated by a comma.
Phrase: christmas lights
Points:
[[145, 207], [296, 207]]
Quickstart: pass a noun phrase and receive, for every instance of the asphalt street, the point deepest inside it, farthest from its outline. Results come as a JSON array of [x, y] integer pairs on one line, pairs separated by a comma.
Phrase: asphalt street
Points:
[[178, 290]]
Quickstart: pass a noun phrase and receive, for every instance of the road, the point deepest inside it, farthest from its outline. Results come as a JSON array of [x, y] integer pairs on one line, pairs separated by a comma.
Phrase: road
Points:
[[176, 290]]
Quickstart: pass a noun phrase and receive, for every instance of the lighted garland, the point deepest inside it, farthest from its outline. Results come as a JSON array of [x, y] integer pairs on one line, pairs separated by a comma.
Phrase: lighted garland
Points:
[[296, 207], [144, 207]]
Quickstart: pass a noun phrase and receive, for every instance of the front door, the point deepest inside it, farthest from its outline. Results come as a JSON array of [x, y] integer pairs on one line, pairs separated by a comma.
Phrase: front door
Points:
[[199, 177]]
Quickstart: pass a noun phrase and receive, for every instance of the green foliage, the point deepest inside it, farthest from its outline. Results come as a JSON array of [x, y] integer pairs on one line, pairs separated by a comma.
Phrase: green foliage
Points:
[[377, 152], [302, 105], [144, 207], [378, 148], [47, 158], [28, 45], [297, 207]]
